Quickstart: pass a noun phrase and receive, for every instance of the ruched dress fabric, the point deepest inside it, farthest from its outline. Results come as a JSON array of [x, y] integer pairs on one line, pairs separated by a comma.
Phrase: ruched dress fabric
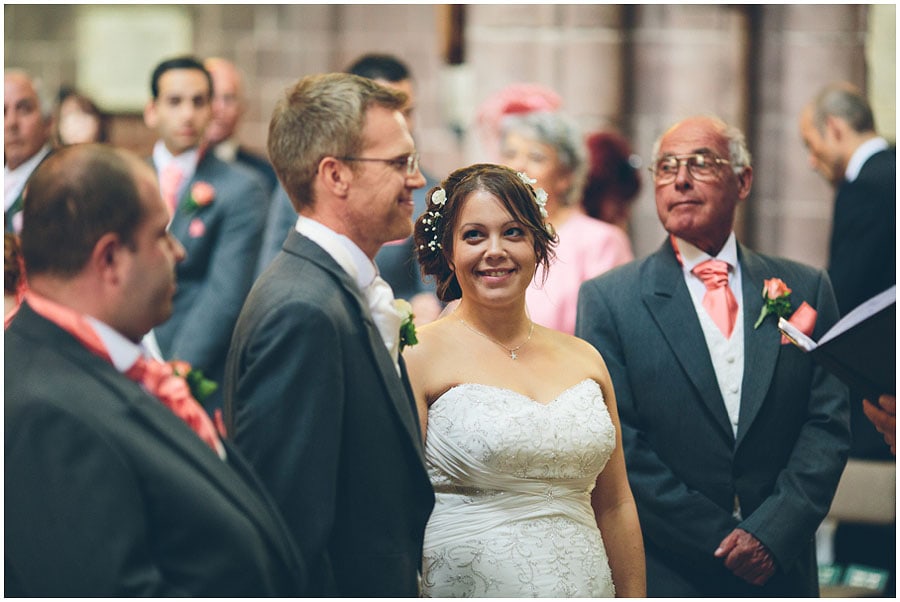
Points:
[[513, 480]]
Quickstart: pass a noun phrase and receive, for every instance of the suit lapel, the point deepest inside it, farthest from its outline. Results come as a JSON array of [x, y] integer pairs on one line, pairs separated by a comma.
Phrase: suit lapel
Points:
[[761, 345], [398, 388], [668, 300]]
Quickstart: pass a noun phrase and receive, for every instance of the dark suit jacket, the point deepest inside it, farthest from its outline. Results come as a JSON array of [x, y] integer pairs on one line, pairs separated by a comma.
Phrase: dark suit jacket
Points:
[[862, 259], [313, 399], [684, 463], [222, 243], [863, 262], [108, 493]]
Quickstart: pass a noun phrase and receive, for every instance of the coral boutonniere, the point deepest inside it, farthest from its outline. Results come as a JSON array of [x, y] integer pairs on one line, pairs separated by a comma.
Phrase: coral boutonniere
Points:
[[202, 194], [775, 296], [200, 386], [407, 326]]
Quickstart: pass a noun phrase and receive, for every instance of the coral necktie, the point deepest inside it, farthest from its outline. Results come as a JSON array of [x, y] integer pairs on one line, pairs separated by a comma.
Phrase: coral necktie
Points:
[[718, 301], [169, 181]]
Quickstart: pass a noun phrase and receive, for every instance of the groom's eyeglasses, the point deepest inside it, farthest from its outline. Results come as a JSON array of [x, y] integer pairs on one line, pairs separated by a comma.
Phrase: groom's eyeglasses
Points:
[[410, 163]]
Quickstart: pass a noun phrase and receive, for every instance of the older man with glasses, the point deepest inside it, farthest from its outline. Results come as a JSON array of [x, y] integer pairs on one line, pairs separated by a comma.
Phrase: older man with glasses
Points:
[[734, 441]]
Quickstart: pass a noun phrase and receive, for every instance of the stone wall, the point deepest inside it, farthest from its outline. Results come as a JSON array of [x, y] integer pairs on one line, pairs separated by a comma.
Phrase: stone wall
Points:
[[636, 68]]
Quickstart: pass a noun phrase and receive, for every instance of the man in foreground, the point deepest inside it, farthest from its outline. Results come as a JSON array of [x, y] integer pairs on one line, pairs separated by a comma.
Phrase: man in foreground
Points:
[[117, 484]]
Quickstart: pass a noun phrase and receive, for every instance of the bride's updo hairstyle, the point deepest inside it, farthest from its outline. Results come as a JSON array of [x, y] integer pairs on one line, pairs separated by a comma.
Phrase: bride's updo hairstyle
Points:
[[434, 229]]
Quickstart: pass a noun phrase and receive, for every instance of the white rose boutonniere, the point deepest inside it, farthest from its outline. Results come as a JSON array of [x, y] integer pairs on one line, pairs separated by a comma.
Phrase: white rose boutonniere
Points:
[[407, 326]]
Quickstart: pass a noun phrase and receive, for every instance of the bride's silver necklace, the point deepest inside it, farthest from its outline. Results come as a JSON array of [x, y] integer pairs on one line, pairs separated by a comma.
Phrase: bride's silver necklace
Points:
[[513, 351]]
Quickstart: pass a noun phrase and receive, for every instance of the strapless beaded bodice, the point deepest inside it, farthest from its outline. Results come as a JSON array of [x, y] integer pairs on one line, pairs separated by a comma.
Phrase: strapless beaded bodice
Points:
[[513, 479]]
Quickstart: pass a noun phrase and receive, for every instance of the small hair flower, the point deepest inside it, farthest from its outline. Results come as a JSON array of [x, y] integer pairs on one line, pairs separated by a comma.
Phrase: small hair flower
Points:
[[540, 197], [525, 179], [439, 197]]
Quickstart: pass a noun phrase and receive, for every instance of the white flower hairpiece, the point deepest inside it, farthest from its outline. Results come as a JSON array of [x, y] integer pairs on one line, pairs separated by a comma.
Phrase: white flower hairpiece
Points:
[[540, 195], [438, 198], [525, 179]]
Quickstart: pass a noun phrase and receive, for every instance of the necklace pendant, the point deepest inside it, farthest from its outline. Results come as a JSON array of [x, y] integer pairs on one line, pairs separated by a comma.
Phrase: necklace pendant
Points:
[[513, 354]]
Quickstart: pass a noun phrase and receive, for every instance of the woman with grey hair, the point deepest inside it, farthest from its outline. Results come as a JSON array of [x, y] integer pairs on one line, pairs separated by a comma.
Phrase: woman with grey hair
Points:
[[548, 147]]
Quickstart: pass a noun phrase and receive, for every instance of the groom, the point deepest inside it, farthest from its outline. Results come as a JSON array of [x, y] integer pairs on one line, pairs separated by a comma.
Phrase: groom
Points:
[[734, 441], [316, 394]]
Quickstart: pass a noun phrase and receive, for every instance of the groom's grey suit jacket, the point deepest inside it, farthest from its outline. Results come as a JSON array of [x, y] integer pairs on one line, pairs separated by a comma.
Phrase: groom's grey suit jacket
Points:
[[685, 465], [314, 401]]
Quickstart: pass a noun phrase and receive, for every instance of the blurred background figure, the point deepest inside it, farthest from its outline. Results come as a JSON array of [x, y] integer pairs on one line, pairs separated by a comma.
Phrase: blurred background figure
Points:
[[548, 147], [78, 119], [514, 99], [838, 129], [27, 125], [228, 106], [613, 178], [217, 211]]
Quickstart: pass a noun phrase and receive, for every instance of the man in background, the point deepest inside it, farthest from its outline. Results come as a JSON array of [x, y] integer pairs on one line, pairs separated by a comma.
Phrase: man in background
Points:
[[838, 128], [217, 211], [27, 125], [228, 106], [117, 484]]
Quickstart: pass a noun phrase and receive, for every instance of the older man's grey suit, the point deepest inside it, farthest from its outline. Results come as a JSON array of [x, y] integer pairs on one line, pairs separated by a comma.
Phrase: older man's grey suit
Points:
[[685, 465]]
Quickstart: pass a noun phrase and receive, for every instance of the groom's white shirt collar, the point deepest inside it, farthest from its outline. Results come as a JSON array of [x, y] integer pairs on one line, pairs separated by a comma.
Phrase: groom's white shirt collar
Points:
[[343, 250]]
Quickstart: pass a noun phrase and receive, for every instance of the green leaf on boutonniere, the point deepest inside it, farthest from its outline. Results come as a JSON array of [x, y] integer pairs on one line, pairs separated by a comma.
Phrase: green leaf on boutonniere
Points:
[[775, 295], [201, 387]]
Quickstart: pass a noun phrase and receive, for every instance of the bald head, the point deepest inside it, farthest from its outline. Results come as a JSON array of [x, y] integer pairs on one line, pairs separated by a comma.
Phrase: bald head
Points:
[[79, 193], [227, 99]]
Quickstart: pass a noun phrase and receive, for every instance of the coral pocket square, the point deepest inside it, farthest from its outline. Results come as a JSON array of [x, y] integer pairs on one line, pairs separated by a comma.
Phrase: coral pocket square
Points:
[[197, 228], [804, 319]]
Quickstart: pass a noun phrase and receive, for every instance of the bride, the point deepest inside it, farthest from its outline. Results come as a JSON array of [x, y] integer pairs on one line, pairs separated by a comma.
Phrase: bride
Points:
[[522, 434]]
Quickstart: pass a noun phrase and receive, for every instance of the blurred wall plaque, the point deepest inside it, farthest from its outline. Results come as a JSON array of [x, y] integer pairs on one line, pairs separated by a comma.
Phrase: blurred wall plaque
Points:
[[118, 47]]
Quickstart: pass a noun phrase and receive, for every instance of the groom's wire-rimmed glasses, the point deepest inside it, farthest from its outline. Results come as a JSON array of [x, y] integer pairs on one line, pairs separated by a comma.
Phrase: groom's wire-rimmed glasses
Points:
[[702, 166], [409, 162]]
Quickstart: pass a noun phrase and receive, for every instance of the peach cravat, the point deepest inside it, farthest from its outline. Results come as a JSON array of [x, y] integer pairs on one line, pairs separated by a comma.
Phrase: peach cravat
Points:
[[718, 301], [169, 181], [160, 380]]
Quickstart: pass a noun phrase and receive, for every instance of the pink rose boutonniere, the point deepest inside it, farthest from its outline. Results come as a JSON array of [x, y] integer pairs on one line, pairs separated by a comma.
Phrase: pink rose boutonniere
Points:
[[202, 194], [775, 294]]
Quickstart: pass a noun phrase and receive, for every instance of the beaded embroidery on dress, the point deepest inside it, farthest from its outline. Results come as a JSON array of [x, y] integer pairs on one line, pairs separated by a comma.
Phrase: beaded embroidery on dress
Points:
[[512, 480]]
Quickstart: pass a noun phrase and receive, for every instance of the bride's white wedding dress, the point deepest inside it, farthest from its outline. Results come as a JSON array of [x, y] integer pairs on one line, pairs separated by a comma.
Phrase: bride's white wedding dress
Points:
[[512, 480]]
